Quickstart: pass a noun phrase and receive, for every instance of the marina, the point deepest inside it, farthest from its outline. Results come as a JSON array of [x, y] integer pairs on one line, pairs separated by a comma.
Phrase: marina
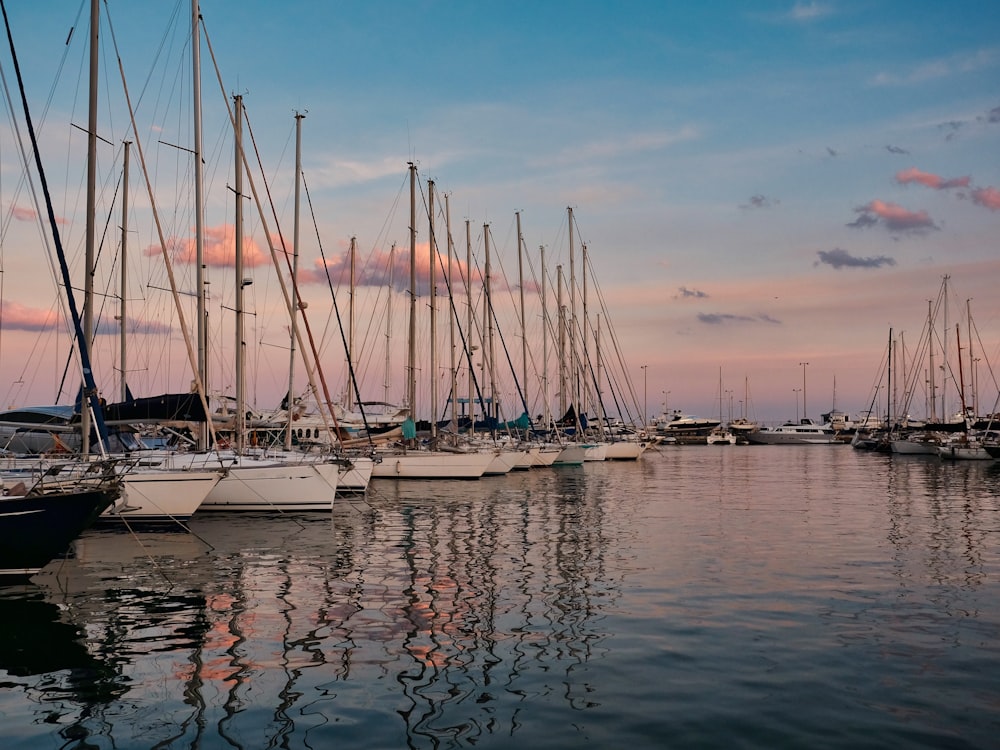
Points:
[[756, 596]]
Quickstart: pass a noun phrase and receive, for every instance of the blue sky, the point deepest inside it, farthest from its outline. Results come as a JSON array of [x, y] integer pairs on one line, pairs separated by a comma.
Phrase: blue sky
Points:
[[758, 184]]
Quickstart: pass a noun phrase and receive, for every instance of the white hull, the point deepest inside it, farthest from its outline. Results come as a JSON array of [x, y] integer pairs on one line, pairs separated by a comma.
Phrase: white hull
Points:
[[544, 455], [964, 453], [624, 450], [431, 465], [161, 495], [503, 462], [595, 451], [571, 455], [915, 447], [354, 479], [721, 438], [261, 485], [794, 434]]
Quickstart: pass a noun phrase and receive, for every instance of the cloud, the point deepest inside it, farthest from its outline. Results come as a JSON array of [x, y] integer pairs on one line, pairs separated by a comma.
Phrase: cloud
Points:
[[831, 151], [838, 258], [927, 179], [17, 317], [24, 214], [993, 115], [988, 197], [936, 69], [715, 319], [892, 217], [760, 201], [685, 293], [20, 213], [376, 271], [219, 249], [804, 12], [896, 149]]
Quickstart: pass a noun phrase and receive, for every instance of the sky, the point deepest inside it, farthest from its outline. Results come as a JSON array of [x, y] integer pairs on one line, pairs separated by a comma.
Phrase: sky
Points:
[[765, 190]]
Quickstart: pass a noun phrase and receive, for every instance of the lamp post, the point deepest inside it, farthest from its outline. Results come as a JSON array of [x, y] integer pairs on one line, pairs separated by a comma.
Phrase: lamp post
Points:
[[645, 398], [796, 392], [804, 412]]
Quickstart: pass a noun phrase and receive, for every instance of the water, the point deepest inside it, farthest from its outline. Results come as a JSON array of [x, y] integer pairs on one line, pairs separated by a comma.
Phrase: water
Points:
[[716, 597]]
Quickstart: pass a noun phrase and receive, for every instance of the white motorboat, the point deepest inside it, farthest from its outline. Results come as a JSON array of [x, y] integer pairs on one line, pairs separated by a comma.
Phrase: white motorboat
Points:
[[806, 432]]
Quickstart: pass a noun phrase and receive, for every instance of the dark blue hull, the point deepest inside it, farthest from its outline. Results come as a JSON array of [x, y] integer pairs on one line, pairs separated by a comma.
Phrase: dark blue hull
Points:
[[38, 528]]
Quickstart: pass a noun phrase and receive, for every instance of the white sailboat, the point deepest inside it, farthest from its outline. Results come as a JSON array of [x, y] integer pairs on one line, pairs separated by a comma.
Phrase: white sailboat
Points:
[[411, 461], [286, 481]]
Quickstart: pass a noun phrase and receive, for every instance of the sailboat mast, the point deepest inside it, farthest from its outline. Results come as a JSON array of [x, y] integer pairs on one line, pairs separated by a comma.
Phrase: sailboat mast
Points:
[[199, 207], [584, 336], [561, 309], [88, 281], [488, 308], [468, 292], [432, 284], [388, 329], [930, 346], [573, 364], [972, 361], [451, 318], [411, 362], [545, 343], [122, 308], [240, 424], [524, 336], [295, 287], [351, 318]]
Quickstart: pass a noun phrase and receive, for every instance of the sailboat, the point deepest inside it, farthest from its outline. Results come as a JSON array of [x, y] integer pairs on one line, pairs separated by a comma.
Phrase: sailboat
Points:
[[410, 460], [720, 435], [262, 481], [40, 522]]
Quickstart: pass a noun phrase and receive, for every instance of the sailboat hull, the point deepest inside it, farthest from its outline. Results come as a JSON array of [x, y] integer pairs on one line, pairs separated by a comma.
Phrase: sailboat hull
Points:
[[260, 485]]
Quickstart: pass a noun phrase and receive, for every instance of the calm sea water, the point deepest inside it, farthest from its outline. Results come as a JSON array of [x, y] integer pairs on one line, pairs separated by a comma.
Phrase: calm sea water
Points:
[[716, 597]]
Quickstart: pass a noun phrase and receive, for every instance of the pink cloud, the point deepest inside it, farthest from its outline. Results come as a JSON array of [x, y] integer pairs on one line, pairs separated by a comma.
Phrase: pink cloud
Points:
[[927, 179], [376, 271], [24, 214], [219, 249], [28, 214], [17, 317], [988, 197], [894, 217]]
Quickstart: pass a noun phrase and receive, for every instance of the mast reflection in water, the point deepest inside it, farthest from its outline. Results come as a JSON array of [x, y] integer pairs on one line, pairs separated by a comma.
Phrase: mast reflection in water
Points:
[[754, 596]]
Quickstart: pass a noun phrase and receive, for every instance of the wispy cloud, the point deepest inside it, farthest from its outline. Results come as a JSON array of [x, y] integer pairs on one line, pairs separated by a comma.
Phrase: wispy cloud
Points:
[[17, 317], [149, 327], [989, 197], [896, 149], [382, 268], [936, 69], [839, 258], [804, 12], [934, 181], [760, 201], [20, 213], [685, 293], [893, 217], [635, 143], [716, 319]]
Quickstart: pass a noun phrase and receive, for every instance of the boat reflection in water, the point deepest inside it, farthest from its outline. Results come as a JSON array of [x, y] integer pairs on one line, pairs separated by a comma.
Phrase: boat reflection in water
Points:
[[601, 605], [444, 610]]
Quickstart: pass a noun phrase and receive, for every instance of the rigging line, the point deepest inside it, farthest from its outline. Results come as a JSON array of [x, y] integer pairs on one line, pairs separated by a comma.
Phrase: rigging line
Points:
[[274, 256], [88, 374], [336, 308], [295, 286], [192, 361], [510, 361]]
